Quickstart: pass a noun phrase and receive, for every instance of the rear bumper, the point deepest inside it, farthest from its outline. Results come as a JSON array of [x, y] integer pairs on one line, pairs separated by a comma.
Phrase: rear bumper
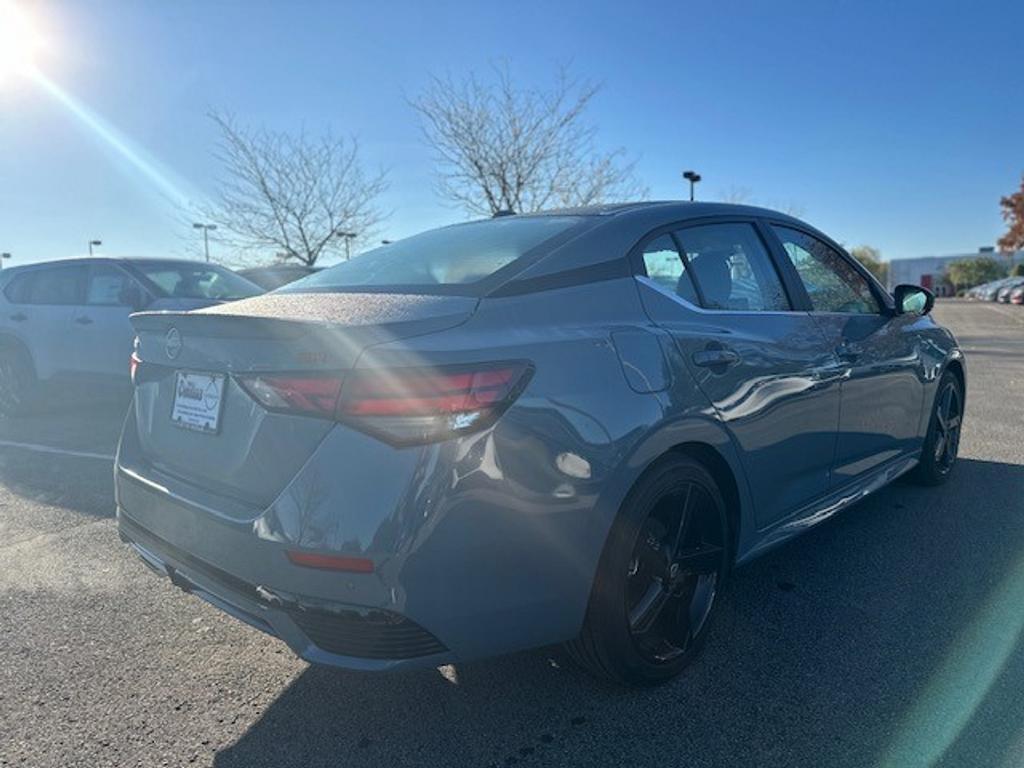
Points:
[[469, 560], [318, 631]]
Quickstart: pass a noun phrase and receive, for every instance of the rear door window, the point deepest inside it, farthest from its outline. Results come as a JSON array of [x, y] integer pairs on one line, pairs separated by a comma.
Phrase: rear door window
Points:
[[50, 286], [17, 289], [732, 269]]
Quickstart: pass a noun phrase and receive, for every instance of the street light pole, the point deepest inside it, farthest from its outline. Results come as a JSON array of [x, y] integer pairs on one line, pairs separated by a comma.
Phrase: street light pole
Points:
[[693, 177], [206, 237], [348, 237], [4, 255], [92, 243]]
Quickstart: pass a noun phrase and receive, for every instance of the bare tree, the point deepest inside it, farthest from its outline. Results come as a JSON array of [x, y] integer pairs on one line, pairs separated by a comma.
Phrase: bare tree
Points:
[[736, 195], [499, 147], [296, 196], [745, 196]]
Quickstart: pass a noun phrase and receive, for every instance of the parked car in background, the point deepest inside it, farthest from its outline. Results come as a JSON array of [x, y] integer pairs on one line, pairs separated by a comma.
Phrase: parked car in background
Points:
[[273, 277], [1017, 295], [66, 322], [977, 291], [1003, 296], [531, 429], [990, 292]]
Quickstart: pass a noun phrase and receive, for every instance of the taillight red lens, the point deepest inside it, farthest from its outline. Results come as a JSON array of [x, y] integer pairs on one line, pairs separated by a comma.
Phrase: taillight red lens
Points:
[[422, 392], [406, 406], [403, 406], [308, 394]]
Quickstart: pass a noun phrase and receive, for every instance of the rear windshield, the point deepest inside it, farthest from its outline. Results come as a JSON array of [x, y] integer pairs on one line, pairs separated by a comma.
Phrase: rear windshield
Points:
[[196, 281], [460, 255]]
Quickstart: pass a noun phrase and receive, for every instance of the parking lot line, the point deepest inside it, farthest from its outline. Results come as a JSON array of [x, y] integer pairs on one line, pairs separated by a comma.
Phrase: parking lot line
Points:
[[55, 450]]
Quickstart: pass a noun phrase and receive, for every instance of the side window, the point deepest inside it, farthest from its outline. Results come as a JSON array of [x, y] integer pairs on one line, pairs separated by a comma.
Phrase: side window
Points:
[[665, 267], [732, 268], [108, 286], [832, 283], [18, 289], [55, 285]]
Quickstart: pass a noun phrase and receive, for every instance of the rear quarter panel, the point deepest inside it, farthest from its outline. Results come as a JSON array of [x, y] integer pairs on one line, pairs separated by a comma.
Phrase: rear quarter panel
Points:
[[497, 535], [524, 508]]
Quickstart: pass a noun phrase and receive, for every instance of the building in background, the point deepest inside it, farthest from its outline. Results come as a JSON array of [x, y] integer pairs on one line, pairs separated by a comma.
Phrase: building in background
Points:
[[929, 271]]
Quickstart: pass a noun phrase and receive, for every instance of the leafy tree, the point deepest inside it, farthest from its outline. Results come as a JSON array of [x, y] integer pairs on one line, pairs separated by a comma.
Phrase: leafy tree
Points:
[[295, 195], [1018, 270], [1013, 215], [967, 273], [499, 147], [872, 259]]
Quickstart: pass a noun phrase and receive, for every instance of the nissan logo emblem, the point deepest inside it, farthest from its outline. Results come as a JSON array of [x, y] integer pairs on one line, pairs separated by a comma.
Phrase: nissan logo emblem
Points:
[[172, 343]]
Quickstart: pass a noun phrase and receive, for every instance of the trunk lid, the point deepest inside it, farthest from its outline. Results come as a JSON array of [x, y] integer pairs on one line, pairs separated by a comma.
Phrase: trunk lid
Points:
[[254, 452]]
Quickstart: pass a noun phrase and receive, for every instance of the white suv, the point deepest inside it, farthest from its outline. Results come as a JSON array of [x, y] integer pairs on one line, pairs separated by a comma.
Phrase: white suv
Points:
[[67, 321]]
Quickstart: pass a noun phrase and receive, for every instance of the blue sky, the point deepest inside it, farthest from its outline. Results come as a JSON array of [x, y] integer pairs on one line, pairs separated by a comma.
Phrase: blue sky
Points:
[[897, 124]]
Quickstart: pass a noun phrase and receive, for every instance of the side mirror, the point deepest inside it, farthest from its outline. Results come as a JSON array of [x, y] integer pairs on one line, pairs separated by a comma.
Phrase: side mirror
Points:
[[913, 300]]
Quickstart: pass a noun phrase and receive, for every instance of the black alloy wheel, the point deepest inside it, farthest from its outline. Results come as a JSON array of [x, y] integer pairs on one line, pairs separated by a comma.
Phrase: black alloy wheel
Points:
[[948, 418], [660, 578], [942, 443], [673, 573]]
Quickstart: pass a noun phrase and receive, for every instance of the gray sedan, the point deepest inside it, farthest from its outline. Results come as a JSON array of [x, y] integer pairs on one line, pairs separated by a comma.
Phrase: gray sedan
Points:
[[503, 434]]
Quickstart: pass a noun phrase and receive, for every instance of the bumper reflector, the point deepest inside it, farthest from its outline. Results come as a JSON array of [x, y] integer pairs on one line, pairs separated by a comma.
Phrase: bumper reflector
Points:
[[331, 562]]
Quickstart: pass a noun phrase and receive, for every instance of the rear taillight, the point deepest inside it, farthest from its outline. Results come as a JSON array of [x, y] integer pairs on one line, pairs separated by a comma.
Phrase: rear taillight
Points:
[[310, 395], [403, 406], [406, 406]]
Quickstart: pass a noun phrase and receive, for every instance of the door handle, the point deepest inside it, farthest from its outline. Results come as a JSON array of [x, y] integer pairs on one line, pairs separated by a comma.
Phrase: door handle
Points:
[[19, 317], [83, 320], [715, 358], [848, 352]]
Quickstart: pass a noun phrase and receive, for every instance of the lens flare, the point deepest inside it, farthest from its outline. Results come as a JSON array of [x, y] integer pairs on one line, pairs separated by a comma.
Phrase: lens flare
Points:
[[174, 190], [963, 679], [19, 44]]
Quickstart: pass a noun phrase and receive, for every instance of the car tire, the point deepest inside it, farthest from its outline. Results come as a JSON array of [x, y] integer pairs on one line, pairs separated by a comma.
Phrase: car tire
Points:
[[669, 552], [17, 381], [942, 443]]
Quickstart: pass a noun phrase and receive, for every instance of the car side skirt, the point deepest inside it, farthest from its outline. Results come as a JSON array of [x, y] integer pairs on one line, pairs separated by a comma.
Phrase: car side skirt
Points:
[[831, 504]]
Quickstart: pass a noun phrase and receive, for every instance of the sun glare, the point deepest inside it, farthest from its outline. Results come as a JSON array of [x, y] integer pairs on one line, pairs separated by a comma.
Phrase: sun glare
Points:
[[19, 41]]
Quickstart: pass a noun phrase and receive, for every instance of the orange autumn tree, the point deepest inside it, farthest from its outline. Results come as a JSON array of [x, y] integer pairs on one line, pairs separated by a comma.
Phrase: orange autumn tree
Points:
[[1013, 215]]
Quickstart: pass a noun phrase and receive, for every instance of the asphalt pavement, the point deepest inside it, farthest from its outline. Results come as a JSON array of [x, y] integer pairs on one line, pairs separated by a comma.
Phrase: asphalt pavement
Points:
[[889, 636]]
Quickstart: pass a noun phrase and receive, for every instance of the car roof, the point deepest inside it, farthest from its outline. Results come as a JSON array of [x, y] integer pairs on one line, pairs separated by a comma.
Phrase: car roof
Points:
[[85, 260], [279, 268], [677, 209]]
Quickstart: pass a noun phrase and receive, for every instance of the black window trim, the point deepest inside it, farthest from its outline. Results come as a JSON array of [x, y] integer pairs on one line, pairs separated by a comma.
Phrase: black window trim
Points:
[[640, 269]]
